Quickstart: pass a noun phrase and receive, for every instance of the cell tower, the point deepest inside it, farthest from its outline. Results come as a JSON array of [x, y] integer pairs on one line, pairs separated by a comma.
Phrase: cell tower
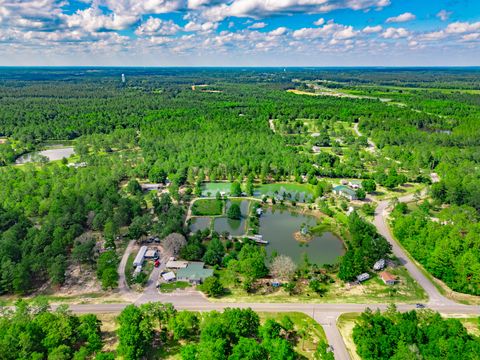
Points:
[[123, 78]]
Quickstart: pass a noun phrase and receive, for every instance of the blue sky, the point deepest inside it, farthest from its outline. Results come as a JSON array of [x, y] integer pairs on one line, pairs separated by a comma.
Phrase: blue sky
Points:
[[240, 32]]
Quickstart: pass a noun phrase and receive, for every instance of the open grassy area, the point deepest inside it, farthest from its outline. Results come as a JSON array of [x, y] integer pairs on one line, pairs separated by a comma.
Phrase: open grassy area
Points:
[[207, 207], [370, 292], [345, 325], [170, 287]]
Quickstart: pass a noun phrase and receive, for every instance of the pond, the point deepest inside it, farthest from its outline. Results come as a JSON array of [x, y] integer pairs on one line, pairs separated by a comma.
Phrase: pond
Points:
[[52, 154], [300, 192], [199, 223], [286, 191], [278, 226], [232, 226]]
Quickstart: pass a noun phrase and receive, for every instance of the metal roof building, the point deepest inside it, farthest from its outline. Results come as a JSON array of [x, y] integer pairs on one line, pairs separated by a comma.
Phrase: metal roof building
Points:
[[194, 273], [140, 256]]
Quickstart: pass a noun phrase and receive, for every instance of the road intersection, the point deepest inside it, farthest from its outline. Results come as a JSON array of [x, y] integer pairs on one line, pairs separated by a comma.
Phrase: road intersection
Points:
[[324, 314]]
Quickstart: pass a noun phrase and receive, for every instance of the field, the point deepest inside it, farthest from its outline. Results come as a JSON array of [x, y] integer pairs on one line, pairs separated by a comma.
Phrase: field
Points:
[[207, 207], [371, 291]]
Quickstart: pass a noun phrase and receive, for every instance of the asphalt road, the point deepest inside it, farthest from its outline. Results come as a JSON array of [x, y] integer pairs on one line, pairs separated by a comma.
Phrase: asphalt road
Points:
[[380, 222], [324, 314]]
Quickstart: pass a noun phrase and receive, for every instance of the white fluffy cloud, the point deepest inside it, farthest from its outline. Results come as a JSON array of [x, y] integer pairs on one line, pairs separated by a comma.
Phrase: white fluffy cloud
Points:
[[462, 27], [444, 15], [372, 29], [154, 27], [262, 8], [395, 33], [201, 27], [93, 19], [319, 22], [408, 16], [258, 25], [329, 30]]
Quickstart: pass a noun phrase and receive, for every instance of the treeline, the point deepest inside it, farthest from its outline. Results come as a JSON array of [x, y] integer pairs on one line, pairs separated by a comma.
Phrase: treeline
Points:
[[234, 334], [35, 332], [412, 335], [448, 248], [44, 214], [364, 248]]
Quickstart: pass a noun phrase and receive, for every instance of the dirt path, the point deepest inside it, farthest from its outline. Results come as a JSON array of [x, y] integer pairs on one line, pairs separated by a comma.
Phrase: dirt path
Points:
[[122, 281], [272, 125], [371, 146]]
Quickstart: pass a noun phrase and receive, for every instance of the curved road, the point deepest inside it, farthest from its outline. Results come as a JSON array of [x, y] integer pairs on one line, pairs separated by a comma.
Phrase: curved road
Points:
[[324, 314], [380, 221]]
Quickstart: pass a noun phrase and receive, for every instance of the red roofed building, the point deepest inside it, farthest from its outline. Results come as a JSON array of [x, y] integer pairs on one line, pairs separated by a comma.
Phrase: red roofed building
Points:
[[388, 278]]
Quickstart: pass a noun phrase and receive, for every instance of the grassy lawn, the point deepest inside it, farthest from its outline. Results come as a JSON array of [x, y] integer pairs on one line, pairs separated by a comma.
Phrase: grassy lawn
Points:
[[345, 324], [207, 207], [170, 287], [370, 292]]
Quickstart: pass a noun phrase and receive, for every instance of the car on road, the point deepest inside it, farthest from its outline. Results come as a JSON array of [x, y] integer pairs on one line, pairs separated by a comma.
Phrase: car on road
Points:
[[420, 306]]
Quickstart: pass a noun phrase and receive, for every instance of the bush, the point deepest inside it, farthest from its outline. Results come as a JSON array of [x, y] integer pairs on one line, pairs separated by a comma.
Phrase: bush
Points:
[[212, 287]]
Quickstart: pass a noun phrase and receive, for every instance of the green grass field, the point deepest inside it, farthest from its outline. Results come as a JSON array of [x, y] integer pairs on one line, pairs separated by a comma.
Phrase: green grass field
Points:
[[207, 207]]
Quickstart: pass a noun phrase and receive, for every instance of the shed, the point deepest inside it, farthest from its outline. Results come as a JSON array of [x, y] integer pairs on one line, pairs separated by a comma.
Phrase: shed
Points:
[[151, 254], [345, 191], [363, 277], [388, 278], [194, 273], [174, 264], [169, 276], [140, 256]]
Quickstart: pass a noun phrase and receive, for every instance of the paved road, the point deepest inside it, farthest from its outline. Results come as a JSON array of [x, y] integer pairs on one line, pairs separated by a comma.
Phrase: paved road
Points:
[[380, 221], [324, 314]]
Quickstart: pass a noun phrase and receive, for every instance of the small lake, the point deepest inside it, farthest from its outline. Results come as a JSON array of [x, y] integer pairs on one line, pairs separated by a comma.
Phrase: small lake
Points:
[[232, 226], [57, 153], [199, 223], [278, 226]]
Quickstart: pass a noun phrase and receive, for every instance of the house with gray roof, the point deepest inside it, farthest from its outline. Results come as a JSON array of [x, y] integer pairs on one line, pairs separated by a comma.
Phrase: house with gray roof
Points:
[[345, 191]]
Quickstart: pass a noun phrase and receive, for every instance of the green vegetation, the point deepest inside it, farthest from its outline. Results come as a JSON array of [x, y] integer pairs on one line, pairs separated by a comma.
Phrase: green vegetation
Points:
[[157, 130], [207, 207], [364, 248], [35, 332], [172, 286], [425, 334], [234, 212], [448, 248]]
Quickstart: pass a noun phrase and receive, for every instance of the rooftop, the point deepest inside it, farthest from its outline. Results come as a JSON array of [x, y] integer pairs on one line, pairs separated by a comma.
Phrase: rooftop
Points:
[[194, 271], [344, 189], [386, 276]]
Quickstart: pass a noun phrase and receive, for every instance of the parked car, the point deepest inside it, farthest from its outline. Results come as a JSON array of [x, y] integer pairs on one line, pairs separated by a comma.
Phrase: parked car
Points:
[[420, 306], [157, 263]]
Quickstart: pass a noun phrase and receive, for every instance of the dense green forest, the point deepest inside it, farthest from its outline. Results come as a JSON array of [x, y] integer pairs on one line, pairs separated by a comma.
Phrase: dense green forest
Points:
[[158, 128], [412, 335], [150, 331]]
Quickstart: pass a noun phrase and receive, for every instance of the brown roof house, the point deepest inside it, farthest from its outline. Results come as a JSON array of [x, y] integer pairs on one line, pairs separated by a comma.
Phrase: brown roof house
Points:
[[388, 278]]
